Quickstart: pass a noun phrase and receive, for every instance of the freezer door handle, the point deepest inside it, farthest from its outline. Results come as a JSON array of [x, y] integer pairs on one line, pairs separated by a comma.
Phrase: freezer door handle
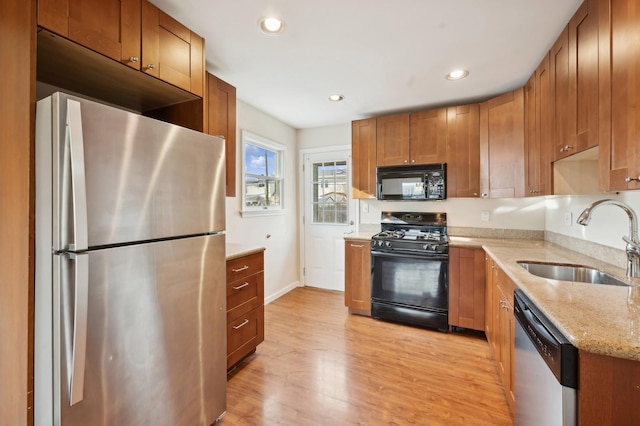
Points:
[[79, 336], [78, 181]]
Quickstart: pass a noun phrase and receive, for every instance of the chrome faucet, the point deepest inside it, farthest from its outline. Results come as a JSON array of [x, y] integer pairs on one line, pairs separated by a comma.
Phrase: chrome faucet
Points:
[[633, 244]]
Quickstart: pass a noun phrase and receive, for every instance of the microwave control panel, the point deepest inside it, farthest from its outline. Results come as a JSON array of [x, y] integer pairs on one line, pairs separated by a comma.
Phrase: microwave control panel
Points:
[[435, 187]]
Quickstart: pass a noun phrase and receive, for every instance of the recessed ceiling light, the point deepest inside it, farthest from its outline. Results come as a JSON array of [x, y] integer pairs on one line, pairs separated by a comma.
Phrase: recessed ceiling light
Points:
[[457, 74], [336, 98], [271, 25]]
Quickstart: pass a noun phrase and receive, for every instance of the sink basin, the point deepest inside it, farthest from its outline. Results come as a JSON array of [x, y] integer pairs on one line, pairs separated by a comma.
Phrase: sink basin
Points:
[[564, 272]]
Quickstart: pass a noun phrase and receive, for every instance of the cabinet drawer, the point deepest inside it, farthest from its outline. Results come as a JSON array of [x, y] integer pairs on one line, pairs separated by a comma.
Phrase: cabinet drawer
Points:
[[244, 295], [244, 266], [244, 334]]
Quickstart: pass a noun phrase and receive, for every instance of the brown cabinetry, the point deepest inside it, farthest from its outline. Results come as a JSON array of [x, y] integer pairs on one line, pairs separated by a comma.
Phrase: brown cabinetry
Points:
[[357, 276], [502, 146], [619, 122], [245, 306], [221, 121], [463, 151], [392, 140], [467, 288], [363, 156], [538, 137], [559, 67], [428, 136], [109, 27], [500, 325], [170, 51], [416, 138]]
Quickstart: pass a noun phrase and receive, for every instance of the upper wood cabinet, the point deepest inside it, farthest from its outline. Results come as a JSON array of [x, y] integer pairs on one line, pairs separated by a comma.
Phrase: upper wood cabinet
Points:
[[428, 136], [170, 51], [109, 27], [416, 138], [463, 151], [467, 288], [221, 121], [363, 158], [392, 142], [619, 121], [538, 136], [559, 67], [502, 146]]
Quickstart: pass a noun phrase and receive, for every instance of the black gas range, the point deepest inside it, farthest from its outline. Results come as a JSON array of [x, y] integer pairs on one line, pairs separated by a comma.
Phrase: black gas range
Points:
[[410, 269]]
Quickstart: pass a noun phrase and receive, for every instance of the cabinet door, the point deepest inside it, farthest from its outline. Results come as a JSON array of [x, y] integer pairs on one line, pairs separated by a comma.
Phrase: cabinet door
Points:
[[392, 143], [619, 93], [491, 306], [502, 145], [544, 126], [428, 136], [363, 153], [170, 51], [109, 27], [531, 138], [357, 280], [463, 151], [583, 77], [221, 121], [559, 64], [466, 288], [507, 344]]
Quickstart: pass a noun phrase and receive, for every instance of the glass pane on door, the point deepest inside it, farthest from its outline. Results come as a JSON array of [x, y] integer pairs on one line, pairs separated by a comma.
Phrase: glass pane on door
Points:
[[330, 193]]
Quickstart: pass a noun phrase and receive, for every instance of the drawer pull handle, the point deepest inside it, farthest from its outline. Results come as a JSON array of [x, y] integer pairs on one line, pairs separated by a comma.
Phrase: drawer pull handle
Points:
[[629, 179], [244, 268], [240, 286], [239, 326], [357, 245]]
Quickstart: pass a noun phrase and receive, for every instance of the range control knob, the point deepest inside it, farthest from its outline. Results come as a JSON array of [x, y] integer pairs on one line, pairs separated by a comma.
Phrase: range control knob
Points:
[[387, 243]]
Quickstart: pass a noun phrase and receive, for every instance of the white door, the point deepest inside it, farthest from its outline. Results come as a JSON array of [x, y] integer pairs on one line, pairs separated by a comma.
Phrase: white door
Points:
[[329, 214]]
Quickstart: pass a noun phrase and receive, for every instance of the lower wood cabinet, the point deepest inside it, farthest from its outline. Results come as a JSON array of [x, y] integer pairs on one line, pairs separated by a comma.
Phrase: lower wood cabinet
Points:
[[467, 288], [501, 325], [245, 306], [357, 276]]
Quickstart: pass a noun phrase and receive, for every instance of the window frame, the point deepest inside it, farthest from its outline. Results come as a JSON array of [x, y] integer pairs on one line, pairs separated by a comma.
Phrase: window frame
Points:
[[252, 139]]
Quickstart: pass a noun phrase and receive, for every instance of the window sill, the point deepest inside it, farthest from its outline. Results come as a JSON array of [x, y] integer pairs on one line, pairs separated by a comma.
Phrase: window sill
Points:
[[266, 212]]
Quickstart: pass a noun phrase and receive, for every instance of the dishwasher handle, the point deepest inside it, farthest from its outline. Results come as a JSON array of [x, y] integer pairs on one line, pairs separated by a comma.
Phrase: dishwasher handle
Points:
[[556, 350]]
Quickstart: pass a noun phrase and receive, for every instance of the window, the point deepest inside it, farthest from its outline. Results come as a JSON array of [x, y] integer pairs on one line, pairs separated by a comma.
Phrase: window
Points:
[[330, 196], [263, 175]]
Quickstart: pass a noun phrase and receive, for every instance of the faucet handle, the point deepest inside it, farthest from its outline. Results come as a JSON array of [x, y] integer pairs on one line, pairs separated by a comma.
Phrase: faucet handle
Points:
[[632, 243]]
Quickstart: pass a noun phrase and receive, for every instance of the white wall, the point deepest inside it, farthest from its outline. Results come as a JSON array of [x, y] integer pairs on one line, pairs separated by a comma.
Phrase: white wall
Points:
[[282, 254], [321, 137], [608, 223]]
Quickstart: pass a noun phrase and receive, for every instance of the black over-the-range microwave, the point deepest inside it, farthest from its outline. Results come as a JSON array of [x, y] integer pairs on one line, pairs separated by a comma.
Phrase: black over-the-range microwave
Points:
[[414, 182]]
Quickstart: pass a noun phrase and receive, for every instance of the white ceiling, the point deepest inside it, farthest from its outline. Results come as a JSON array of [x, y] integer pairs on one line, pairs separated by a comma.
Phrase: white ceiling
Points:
[[382, 55]]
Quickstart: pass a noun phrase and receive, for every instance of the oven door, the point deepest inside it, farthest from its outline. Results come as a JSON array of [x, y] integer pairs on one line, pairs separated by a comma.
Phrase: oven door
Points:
[[411, 280]]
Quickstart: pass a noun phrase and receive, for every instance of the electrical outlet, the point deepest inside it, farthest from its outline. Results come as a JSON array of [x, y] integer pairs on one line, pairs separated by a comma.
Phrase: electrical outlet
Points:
[[485, 216], [568, 219], [365, 207]]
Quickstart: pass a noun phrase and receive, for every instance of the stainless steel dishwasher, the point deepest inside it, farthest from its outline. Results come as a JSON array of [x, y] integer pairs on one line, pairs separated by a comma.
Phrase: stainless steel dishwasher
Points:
[[546, 369]]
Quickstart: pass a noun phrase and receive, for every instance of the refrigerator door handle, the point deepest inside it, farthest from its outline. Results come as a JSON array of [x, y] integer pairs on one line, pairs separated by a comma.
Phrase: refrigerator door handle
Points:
[[78, 181], [79, 336]]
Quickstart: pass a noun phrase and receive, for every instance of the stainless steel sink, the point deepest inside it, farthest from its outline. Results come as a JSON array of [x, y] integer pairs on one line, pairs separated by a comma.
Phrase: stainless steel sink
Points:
[[564, 272]]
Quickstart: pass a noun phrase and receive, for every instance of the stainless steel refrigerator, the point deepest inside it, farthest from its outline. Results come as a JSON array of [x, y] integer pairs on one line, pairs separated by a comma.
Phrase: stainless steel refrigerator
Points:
[[130, 291]]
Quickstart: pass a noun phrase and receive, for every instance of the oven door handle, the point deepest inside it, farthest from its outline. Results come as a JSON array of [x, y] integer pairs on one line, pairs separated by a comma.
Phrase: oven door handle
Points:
[[421, 256]]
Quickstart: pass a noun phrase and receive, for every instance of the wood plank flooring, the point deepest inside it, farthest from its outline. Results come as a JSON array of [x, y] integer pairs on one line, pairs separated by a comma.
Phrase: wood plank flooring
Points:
[[319, 365]]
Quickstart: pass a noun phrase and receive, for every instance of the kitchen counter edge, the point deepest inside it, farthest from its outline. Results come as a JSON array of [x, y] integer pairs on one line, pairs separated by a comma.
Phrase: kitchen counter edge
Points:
[[235, 250]]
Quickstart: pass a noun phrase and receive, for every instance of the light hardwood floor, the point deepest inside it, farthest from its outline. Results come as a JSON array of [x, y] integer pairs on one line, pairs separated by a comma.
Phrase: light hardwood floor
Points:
[[319, 365]]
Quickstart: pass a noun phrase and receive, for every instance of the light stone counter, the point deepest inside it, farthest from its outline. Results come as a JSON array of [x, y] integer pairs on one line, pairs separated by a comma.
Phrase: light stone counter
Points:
[[602, 319], [235, 250]]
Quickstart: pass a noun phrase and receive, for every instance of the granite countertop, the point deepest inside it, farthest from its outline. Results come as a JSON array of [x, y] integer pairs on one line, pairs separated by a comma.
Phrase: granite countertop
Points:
[[602, 319], [236, 250]]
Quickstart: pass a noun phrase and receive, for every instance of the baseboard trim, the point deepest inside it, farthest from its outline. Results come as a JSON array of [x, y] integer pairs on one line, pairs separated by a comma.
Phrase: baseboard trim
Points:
[[281, 292]]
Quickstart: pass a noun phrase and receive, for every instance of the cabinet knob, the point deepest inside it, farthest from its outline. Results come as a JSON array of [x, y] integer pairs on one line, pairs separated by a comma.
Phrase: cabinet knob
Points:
[[406, 161], [631, 179], [133, 59], [150, 66], [475, 194], [413, 161], [566, 148]]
